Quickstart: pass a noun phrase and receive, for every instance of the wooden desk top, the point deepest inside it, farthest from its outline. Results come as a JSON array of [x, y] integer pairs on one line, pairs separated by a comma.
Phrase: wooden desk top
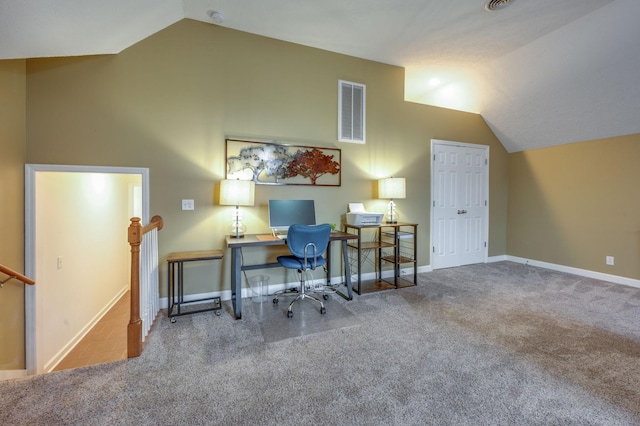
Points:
[[186, 256], [267, 239]]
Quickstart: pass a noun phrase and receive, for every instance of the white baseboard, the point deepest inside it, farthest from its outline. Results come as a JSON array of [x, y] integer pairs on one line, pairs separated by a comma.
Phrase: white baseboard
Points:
[[576, 271], [493, 259], [272, 288], [12, 374]]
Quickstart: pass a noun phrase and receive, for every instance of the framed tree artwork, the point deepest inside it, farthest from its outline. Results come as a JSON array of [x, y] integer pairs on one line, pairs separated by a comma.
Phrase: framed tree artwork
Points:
[[273, 163]]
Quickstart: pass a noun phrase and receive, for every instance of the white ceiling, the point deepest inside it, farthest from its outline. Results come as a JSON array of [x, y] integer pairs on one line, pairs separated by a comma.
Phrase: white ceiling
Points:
[[541, 72]]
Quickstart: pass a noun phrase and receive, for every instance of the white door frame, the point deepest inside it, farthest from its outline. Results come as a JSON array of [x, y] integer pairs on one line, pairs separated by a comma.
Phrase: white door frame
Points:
[[32, 363], [485, 229]]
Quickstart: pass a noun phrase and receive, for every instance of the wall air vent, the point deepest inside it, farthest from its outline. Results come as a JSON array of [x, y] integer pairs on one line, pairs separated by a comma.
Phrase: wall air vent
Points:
[[351, 112], [497, 4]]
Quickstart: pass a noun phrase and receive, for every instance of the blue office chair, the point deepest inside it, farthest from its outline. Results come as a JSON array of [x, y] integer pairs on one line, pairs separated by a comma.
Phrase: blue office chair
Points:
[[307, 244]]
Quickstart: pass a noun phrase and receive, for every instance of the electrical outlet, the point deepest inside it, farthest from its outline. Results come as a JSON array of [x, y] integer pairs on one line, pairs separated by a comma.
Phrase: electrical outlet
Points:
[[188, 205], [59, 262], [610, 260]]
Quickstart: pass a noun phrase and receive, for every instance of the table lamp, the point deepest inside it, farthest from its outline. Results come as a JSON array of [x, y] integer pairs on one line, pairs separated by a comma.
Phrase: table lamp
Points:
[[390, 188], [237, 193]]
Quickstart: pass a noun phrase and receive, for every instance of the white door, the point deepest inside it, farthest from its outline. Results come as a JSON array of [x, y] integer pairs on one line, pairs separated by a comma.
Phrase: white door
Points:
[[459, 194]]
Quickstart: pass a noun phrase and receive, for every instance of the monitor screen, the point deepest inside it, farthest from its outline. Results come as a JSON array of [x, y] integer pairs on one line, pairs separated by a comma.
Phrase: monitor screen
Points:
[[284, 213]]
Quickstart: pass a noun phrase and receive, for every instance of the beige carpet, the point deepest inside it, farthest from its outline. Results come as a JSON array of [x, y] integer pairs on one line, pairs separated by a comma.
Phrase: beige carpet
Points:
[[493, 344]]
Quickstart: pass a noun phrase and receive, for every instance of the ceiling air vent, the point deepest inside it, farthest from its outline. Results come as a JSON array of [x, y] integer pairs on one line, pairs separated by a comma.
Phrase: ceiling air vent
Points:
[[497, 4]]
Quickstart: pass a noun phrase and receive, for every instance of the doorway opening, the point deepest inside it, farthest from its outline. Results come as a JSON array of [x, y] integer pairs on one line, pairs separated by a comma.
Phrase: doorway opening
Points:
[[76, 220]]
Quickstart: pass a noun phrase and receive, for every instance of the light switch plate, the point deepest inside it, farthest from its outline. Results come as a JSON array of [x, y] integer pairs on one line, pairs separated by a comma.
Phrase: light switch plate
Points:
[[188, 205]]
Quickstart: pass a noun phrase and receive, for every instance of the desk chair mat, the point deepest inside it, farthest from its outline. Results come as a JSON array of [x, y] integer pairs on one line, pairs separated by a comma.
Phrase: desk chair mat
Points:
[[275, 326]]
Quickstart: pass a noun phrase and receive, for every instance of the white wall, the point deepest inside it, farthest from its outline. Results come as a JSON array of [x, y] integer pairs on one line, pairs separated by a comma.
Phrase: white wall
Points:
[[81, 218]]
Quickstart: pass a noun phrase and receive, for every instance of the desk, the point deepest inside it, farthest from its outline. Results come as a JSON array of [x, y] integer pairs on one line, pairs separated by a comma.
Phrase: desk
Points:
[[264, 240], [176, 276]]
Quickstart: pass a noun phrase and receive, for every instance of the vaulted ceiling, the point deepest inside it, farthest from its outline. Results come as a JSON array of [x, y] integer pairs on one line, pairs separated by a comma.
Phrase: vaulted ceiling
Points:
[[541, 72]]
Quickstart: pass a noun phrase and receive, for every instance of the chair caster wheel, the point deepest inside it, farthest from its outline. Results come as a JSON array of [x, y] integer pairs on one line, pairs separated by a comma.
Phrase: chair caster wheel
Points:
[[275, 301], [289, 314], [218, 313], [173, 320], [323, 311], [325, 296]]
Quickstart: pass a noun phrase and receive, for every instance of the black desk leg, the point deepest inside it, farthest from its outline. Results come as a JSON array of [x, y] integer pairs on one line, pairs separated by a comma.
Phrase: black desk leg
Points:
[[170, 279], [347, 271], [236, 281]]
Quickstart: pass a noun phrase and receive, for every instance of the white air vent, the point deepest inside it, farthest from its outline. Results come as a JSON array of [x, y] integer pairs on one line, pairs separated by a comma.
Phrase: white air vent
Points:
[[497, 4], [351, 112]]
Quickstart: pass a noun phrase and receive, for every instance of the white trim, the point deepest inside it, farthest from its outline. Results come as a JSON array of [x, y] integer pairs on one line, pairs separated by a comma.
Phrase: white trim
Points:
[[576, 271], [12, 374], [30, 307], [272, 288], [493, 259]]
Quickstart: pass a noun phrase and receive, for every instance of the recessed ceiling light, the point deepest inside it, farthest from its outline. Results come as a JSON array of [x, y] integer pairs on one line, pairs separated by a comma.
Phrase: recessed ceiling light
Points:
[[497, 4]]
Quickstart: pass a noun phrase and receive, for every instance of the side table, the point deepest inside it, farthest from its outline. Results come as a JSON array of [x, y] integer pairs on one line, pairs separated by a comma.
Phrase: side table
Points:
[[175, 287]]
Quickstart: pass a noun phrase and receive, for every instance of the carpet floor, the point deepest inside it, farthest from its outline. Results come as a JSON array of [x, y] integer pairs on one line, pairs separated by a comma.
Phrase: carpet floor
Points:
[[489, 344]]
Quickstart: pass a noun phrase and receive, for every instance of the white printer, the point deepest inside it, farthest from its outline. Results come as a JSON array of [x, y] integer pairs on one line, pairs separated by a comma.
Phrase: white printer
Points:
[[359, 217]]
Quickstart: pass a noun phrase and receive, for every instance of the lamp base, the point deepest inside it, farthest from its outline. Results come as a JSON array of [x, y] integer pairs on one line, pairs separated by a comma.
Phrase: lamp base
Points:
[[236, 236], [391, 221]]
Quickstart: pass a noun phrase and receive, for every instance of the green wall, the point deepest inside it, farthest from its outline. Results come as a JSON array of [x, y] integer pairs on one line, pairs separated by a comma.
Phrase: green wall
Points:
[[169, 102], [12, 159], [575, 204]]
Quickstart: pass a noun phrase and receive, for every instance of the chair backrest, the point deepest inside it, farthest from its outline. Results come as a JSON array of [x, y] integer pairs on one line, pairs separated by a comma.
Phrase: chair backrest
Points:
[[299, 237]]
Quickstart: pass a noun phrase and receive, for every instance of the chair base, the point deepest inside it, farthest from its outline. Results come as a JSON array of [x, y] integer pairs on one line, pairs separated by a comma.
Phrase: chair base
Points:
[[325, 290], [300, 295]]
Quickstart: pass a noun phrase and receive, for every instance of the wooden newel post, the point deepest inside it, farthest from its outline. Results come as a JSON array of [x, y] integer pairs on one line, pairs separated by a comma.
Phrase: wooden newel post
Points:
[[134, 329]]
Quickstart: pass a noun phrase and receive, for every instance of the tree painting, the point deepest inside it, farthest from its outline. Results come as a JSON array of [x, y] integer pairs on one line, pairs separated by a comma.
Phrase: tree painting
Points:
[[273, 163], [268, 158], [312, 164]]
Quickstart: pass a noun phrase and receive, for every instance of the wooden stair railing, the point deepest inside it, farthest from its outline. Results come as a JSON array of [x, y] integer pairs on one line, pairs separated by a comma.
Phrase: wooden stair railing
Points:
[[134, 329], [13, 274]]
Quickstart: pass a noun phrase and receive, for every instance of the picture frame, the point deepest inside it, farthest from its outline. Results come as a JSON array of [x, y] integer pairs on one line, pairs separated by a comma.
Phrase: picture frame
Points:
[[275, 163]]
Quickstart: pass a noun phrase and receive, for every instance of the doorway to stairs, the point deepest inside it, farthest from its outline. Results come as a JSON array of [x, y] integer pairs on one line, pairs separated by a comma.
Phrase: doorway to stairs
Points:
[[76, 220]]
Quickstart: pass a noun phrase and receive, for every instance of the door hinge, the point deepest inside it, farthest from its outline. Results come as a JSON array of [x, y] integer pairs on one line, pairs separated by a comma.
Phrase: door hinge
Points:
[[434, 203], [485, 244], [434, 249], [486, 162]]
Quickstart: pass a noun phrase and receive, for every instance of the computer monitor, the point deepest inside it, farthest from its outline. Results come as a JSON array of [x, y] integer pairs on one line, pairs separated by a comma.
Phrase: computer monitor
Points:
[[284, 213]]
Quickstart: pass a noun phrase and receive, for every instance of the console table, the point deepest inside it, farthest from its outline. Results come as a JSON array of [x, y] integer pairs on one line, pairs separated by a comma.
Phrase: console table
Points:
[[176, 279]]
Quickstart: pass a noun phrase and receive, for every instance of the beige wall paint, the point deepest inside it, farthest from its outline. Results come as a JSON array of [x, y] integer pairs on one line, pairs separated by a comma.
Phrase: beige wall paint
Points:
[[575, 204], [79, 217], [168, 103], [12, 159]]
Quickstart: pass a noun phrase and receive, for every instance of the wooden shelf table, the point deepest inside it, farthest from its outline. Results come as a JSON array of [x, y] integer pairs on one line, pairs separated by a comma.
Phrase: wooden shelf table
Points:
[[175, 286]]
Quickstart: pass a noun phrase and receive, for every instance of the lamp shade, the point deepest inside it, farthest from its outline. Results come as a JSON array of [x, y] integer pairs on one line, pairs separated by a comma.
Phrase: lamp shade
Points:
[[237, 192], [391, 188]]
